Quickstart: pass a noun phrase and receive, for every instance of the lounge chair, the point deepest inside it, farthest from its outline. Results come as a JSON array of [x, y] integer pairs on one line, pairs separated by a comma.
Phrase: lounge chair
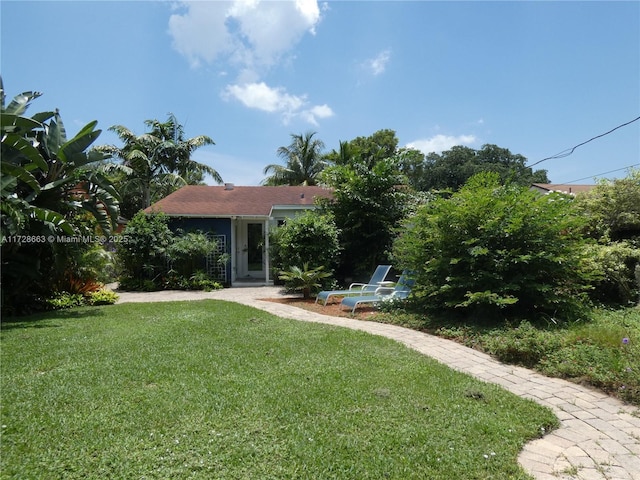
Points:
[[358, 288], [401, 290]]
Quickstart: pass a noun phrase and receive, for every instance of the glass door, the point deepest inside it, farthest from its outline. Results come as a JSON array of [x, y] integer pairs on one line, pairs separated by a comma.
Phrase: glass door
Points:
[[255, 249]]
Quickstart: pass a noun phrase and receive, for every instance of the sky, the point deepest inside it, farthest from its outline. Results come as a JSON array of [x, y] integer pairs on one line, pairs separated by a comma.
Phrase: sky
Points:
[[536, 77]]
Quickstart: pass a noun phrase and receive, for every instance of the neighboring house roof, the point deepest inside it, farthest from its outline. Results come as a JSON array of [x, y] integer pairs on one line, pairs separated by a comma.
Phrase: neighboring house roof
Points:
[[229, 200], [564, 188]]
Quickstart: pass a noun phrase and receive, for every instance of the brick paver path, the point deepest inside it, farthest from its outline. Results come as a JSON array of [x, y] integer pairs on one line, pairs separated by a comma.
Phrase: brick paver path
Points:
[[599, 436]]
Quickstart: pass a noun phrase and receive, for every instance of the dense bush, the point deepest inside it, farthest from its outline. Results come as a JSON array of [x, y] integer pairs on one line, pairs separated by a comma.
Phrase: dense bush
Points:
[[612, 210], [368, 207], [101, 296], [152, 257], [498, 250], [143, 256], [187, 252], [310, 238], [617, 263]]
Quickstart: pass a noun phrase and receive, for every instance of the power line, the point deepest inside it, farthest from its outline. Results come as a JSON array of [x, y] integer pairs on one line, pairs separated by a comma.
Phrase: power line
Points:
[[598, 174], [569, 151]]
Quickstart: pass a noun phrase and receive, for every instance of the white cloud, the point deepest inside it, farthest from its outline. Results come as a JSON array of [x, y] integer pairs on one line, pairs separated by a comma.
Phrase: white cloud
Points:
[[251, 33], [200, 34], [378, 64], [439, 143], [252, 36], [263, 97], [260, 96], [312, 114]]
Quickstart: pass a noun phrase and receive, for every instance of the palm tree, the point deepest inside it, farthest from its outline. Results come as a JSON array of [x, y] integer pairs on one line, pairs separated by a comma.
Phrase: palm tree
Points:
[[304, 162], [158, 162]]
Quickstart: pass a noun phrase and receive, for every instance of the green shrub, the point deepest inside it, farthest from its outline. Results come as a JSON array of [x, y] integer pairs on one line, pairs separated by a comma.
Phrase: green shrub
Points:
[[198, 281], [137, 285], [66, 300], [613, 208], [368, 207], [201, 281], [187, 252], [310, 238], [304, 279], [494, 250], [616, 262], [524, 345], [144, 255], [103, 296]]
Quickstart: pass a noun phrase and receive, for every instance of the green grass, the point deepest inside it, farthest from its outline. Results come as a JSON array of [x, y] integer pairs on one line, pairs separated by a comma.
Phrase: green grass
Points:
[[216, 390], [603, 351]]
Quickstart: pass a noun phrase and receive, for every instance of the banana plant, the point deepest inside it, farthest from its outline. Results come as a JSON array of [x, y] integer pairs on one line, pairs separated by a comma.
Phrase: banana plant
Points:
[[46, 179]]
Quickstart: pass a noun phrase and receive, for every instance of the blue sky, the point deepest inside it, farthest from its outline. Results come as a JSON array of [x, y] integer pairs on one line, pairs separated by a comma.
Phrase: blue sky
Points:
[[535, 77]]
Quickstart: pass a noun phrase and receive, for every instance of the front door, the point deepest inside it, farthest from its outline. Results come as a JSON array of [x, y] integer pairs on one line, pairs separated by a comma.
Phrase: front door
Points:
[[251, 258]]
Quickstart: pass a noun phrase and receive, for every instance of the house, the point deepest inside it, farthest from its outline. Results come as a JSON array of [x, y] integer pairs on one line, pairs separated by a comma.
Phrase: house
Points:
[[239, 219], [556, 187]]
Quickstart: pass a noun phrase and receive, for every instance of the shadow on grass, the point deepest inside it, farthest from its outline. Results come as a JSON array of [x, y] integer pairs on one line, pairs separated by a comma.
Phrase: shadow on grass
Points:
[[47, 319]]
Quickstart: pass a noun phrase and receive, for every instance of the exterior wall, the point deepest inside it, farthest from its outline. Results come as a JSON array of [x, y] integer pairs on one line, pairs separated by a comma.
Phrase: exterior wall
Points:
[[230, 228], [216, 226], [281, 213]]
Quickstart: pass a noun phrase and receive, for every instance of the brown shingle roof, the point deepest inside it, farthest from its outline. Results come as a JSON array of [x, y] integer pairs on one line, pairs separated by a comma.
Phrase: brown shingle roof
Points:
[[223, 201]]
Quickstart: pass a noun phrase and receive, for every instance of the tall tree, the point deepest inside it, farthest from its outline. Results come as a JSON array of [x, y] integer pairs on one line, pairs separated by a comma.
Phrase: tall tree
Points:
[[50, 187], [157, 163], [452, 168], [366, 151], [368, 206], [304, 162]]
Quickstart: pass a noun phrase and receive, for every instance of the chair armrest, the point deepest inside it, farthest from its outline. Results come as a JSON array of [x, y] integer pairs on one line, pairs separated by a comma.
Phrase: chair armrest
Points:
[[364, 286], [384, 291]]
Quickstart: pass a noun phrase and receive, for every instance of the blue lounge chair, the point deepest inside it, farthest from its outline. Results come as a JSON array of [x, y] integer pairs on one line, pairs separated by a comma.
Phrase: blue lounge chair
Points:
[[358, 288], [401, 290]]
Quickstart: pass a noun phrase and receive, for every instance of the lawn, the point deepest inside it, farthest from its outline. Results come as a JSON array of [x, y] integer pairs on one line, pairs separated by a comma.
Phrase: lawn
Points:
[[603, 351], [213, 389]]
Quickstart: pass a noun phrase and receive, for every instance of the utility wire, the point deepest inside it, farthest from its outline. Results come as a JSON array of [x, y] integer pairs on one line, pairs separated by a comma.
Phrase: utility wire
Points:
[[569, 151], [597, 175]]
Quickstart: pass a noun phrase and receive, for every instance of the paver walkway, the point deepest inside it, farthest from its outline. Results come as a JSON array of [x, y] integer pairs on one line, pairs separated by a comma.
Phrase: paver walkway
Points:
[[599, 436]]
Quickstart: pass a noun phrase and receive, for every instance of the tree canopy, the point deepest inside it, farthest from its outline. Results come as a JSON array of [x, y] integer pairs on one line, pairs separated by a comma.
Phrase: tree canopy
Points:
[[365, 151], [304, 161], [452, 168], [156, 163], [51, 187]]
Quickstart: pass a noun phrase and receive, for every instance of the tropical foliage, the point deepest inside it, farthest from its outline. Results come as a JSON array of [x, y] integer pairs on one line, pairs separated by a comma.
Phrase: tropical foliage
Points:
[[156, 163], [612, 210], [497, 250], [304, 279], [310, 238], [303, 162], [369, 203], [365, 151], [143, 257], [55, 197], [154, 257], [452, 168]]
